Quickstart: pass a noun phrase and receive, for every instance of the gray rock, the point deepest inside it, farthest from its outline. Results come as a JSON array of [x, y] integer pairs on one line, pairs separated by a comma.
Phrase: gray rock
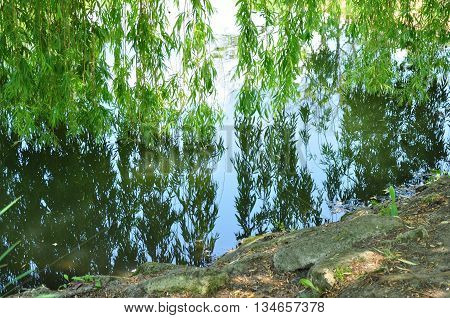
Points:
[[190, 281], [419, 233], [309, 247], [39, 292]]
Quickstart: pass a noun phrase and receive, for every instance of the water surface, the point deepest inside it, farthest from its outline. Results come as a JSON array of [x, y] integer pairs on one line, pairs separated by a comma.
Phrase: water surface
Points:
[[105, 208]]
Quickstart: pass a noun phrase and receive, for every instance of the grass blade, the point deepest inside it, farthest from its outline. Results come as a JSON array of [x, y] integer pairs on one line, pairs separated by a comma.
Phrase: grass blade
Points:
[[8, 250], [9, 206], [16, 279], [407, 262]]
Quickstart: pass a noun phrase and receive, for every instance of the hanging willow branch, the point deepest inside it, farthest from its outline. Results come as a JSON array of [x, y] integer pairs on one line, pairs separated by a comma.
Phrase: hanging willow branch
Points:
[[144, 69], [277, 47], [77, 67]]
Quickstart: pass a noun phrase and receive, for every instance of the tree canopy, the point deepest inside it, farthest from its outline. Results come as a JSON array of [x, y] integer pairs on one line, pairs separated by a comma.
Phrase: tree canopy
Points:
[[145, 68]]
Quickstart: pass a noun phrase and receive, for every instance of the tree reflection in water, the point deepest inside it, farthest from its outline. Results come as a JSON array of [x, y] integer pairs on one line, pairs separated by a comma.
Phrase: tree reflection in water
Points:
[[93, 207]]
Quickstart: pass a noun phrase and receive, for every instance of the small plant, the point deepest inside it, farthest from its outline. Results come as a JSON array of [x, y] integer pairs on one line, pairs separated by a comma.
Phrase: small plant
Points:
[[392, 208], [374, 203], [387, 253], [393, 205], [341, 272], [86, 279], [309, 284], [393, 256], [436, 175]]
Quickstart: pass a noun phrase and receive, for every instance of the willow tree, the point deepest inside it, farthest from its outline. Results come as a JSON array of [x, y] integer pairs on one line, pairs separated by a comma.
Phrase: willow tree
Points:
[[90, 66], [144, 68], [375, 44], [53, 70]]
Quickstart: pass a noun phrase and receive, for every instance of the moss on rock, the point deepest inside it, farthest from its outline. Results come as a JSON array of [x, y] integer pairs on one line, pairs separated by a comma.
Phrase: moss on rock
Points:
[[154, 269], [191, 281]]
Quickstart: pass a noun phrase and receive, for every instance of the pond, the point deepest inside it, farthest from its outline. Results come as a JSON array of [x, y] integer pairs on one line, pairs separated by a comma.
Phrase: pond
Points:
[[106, 207]]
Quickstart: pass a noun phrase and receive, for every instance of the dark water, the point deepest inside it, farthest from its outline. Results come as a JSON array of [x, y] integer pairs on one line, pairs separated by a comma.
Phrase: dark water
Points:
[[106, 208]]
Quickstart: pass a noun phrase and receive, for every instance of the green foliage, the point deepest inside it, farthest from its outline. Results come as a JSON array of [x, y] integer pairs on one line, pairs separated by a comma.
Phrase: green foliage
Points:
[[4, 254], [278, 43], [374, 203], [392, 204], [88, 67], [391, 209], [309, 284], [144, 68], [340, 272], [435, 175], [393, 256], [388, 253], [86, 279]]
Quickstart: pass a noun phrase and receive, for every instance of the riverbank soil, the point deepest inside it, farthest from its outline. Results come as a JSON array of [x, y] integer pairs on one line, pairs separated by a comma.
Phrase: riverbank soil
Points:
[[367, 254]]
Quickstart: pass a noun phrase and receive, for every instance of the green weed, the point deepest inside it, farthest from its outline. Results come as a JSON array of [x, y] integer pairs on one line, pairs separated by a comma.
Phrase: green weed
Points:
[[393, 256], [86, 279], [391, 209], [393, 204], [309, 284], [341, 272], [436, 175]]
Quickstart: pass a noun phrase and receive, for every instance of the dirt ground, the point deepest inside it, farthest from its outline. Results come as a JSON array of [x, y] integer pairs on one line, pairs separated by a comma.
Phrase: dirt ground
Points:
[[428, 250]]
